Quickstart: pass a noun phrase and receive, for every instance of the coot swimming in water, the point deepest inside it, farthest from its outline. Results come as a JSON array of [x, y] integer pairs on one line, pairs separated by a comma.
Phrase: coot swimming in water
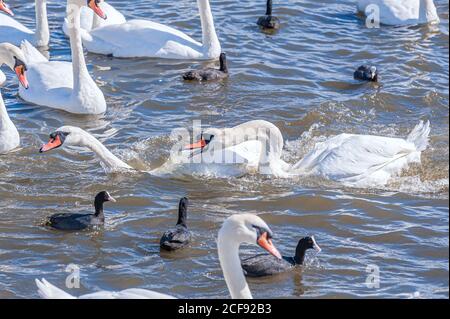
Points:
[[81, 221], [180, 236], [366, 73], [267, 265], [269, 21], [209, 74]]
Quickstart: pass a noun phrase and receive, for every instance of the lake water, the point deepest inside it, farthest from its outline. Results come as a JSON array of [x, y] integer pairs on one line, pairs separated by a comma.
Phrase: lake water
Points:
[[301, 80]]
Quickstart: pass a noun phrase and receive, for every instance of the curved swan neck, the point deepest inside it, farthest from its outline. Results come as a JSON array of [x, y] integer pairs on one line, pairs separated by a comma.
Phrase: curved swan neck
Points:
[[4, 117], [430, 10], [42, 32], [81, 75], [228, 249], [210, 40], [108, 158]]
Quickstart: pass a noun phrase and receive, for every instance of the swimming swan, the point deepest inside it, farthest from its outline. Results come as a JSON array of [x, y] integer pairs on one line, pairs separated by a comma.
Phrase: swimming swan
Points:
[[257, 145], [90, 21], [15, 32], [401, 12], [237, 229], [14, 59], [66, 86], [148, 39]]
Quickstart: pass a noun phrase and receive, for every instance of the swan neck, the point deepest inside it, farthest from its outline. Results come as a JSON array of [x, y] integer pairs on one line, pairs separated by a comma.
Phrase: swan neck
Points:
[[228, 249], [5, 122], [271, 150], [3, 112], [430, 10], [42, 30], [210, 40], [107, 158], [80, 72]]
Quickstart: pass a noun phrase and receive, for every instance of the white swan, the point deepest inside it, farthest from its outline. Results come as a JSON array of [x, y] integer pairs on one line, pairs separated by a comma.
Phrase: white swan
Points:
[[347, 158], [70, 135], [242, 156], [13, 58], [237, 229], [64, 85], [402, 12], [143, 38], [359, 160], [355, 160], [90, 21], [15, 32]]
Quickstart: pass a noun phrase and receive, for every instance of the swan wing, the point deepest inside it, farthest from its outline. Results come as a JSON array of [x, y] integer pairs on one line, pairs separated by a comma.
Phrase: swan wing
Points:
[[47, 291], [355, 158], [13, 31], [141, 38], [133, 293], [397, 12], [32, 55], [87, 18]]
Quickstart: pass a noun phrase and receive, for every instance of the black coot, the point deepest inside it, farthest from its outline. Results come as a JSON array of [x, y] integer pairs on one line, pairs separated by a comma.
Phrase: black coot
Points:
[[209, 74], [180, 236], [267, 265], [269, 21], [366, 73], [81, 221]]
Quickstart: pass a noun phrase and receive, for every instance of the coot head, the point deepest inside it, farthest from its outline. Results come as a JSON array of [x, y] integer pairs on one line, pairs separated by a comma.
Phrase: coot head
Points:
[[303, 245], [366, 73], [104, 196]]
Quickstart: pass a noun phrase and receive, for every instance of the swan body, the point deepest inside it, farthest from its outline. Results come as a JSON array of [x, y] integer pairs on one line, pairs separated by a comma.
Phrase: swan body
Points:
[[13, 58], [254, 146], [66, 86], [402, 12], [147, 39], [237, 229], [15, 32], [364, 159], [90, 21]]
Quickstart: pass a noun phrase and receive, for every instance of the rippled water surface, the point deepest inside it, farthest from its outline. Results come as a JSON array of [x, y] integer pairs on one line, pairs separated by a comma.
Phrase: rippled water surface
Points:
[[301, 80]]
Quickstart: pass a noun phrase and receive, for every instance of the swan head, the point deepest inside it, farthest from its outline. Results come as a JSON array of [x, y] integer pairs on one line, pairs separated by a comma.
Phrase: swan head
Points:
[[207, 137], [93, 4], [5, 8], [65, 135], [250, 229], [14, 58]]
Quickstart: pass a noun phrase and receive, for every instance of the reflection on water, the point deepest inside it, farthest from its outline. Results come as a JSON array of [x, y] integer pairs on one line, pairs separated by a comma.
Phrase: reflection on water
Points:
[[301, 80]]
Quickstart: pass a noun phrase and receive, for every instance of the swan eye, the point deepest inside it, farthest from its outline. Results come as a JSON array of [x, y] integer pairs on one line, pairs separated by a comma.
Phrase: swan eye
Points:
[[261, 230], [19, 63], [207, 137]]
